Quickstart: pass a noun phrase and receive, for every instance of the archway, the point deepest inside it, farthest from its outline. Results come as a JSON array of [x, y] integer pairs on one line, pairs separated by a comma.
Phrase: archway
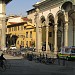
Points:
[[13, 39], [61, 30], [69, 7], [43, 27], [51, 31]]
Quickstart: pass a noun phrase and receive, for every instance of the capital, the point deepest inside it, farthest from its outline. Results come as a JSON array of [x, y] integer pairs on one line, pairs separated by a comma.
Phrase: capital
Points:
[[37, 10], [55, 27]]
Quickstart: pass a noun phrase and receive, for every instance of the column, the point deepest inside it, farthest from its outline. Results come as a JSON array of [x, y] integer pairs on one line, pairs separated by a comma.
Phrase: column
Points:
[[47, 29], [55, 42], [66, 29], [2, 24], [38, 32], [40, 38], [3, 41]]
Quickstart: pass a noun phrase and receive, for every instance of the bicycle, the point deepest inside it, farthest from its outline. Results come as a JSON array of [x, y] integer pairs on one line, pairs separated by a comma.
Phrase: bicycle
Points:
[[2, 66], [6, 65]]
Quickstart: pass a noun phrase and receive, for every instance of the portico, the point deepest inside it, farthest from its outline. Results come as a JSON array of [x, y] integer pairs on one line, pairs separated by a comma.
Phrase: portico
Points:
[[55, 24]]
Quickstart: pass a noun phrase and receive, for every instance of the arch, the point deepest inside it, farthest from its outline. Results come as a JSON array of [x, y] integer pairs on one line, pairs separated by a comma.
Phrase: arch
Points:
[[42, 19], [67, 6], [57, 14], [43, 29], [60, 21], [50, 19], [50, 14]]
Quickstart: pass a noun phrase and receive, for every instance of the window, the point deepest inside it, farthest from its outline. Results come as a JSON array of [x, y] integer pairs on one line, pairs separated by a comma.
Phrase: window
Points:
[[17, 42], [27, 43], [30, 34], [26, 34], [72, 50], [18, 27], [67, 50], [50, 34], [21, 42], [10, 29], [30, 43], [14, 29], [21, 27]]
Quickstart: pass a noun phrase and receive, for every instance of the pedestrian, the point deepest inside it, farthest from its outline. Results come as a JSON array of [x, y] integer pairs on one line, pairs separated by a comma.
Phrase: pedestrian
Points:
[[2, 60]]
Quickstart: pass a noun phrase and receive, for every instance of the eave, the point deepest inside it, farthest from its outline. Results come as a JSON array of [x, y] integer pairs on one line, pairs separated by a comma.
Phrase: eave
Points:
[[40, 3]]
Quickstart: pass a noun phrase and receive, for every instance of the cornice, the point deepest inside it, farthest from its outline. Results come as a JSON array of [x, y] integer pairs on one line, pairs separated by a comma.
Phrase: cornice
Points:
[[44, 2], [51, 5]]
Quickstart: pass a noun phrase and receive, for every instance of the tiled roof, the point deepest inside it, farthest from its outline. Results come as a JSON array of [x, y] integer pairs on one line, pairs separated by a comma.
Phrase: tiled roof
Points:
[[25, 18]]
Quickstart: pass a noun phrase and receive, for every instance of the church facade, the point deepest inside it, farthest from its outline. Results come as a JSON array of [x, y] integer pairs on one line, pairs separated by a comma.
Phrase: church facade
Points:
[[55, 24]]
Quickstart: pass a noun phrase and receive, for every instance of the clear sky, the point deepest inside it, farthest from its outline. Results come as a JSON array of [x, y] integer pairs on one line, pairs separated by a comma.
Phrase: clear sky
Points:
[[19, 7]]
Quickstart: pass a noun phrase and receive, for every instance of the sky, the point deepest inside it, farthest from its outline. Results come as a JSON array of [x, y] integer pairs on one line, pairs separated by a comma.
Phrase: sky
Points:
[[19, 7]]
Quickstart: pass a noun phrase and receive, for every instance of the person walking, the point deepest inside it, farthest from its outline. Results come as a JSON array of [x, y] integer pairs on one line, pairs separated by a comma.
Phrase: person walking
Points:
[[2, 60]]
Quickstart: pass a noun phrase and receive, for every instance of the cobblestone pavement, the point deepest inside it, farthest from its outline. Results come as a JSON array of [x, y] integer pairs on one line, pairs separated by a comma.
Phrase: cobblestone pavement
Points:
[[21, 66]]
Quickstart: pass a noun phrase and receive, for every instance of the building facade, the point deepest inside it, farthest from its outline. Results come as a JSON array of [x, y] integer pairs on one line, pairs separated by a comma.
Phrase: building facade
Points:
[[55, 20], [20, 32]]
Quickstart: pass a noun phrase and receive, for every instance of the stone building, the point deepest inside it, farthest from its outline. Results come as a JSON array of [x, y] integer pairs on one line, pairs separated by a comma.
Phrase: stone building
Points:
[[55, 20]]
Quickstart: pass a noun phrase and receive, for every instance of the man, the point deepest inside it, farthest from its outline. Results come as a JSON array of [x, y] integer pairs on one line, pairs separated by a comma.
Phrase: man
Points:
[[2, 60]]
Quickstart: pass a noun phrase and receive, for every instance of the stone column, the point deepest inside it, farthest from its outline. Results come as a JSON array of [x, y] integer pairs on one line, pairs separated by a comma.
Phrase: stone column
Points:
[[66, 29], [40, 38], [3, 41], [3, 24], [55, 41], [38, 32], [47, 46]]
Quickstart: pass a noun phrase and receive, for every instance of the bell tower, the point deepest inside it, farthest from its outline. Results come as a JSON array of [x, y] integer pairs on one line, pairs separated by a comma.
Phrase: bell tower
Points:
[[3, 4]]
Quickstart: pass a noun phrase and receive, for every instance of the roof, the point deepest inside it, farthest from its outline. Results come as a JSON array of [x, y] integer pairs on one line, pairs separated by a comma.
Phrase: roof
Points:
[[7, 1], [15, 22], [25, 19]]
